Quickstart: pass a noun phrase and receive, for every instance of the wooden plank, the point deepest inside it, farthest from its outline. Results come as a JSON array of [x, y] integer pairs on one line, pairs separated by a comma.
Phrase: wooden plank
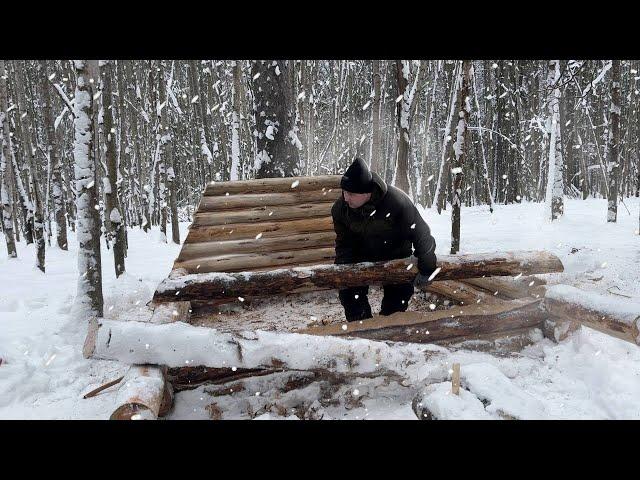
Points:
[[293, 280], [269, 229], [245, 201], [455, 379], [263, 214], [260, 245], [273, 185], [457, 323], [248, 261]]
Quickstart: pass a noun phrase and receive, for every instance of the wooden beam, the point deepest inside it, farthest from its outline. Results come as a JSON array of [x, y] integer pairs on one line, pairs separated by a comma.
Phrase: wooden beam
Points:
[[524, 286], [204, 286], [273, 185], [263, 214], [259, 245], [268, 229], [455, 324], [252, 200], [461, 292], [617, 317], [249, 261]]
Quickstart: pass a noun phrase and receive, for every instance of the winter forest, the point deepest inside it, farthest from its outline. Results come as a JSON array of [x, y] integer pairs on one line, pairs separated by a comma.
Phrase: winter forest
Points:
[[104, 164]]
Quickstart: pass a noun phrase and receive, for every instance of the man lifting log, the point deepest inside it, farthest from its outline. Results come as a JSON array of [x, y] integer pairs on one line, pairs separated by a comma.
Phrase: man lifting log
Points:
[[374, 222]]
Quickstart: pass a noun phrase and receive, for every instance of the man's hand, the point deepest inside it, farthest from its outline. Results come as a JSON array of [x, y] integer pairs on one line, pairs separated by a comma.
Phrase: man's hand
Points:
[[421, 281]]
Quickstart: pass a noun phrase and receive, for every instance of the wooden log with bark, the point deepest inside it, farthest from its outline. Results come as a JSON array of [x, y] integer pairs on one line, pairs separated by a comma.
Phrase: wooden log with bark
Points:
[[510, 288], [616, 317], [182, 345], [144, 394], [293, 280], [456, 324]]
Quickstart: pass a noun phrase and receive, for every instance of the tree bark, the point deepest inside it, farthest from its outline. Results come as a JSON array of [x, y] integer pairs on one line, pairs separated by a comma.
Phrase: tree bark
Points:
[[613, 162], [294, 280], [6, 193], [89, 301]]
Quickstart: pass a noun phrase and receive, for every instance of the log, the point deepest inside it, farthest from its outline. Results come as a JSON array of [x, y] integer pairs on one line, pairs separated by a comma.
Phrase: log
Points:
[[461, 292], [188, 378], [143, 395], [269, 229], [510, 287], [180, 345], [273, 185], [263, 214], [617, 317], [204, 286], [456, 324], [171, 312], [261, 245], [230, 202], [249, 261]]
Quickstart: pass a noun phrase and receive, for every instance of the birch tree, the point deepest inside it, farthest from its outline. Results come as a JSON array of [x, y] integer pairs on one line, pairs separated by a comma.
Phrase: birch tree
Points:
[[88, 301], [554, 192], [235, 120], [613, 162]]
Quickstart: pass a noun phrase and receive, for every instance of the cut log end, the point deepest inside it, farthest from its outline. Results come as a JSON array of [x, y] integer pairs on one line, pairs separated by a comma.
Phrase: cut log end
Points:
[[90, 342]]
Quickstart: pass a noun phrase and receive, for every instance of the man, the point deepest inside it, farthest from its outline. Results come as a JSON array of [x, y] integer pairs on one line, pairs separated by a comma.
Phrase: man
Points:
[[375, 222]]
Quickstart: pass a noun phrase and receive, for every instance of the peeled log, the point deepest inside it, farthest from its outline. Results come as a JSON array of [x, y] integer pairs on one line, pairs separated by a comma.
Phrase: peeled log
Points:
[[229, 202], [616, 317], [181, 345], [143, 395], [273, 185], [254, 245], [263, 214], [456, 324], [212, 286], [268, 229], [249, 261]]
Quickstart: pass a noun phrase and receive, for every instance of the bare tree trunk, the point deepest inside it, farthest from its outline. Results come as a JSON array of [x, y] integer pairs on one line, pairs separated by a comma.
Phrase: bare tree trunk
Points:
[[376, 161], [89, 301], [459, 153], [554, 193], [6, 195], [113, 211], [614, 143], [235, 120], [277, 152]]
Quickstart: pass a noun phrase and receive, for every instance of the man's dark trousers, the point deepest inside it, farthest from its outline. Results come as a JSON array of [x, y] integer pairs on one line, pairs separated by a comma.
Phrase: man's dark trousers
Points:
[[356, 303]]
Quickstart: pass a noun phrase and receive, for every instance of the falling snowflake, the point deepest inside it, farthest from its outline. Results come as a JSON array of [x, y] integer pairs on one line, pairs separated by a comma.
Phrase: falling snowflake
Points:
[[432, 306], [413, 226], [344, 327], [410, 266], [241, 299], [435, 272], [259, 236], [295, 184]]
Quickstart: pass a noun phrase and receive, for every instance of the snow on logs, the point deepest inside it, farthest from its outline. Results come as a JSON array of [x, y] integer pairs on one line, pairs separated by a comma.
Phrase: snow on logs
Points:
[[183, 345], [144, 394], [616, 317], [217, 285]]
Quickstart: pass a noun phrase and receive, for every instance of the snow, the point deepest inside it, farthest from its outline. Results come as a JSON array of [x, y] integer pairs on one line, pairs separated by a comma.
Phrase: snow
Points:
[[588, 376]]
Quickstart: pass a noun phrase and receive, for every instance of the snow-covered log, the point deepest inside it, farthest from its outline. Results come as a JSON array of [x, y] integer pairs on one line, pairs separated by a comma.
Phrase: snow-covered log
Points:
[[616, 317], [179, 345], [143, 395], [283, 281]]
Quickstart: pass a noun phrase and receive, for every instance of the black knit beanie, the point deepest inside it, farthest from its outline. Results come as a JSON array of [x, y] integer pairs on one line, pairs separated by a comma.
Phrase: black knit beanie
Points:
[[357, 178]]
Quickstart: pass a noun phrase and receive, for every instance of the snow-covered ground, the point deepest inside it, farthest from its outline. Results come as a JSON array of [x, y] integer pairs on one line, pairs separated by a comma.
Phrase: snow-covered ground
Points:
[[589, 375]]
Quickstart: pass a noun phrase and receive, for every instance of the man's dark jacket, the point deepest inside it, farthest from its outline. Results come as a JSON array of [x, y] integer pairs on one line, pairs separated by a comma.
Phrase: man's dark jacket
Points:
[[384, 228]]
